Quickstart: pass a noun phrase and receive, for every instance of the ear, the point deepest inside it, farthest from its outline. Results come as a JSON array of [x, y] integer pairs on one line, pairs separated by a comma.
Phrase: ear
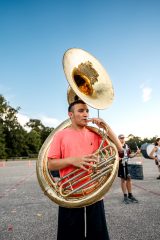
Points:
[[70, 114]]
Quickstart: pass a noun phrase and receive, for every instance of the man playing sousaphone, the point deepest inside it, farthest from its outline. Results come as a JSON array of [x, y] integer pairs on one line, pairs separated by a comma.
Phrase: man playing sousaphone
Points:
[[86, 157], [74, 147]]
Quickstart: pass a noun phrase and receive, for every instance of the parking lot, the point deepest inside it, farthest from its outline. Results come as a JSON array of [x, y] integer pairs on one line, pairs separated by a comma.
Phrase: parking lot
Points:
[[27, 214]]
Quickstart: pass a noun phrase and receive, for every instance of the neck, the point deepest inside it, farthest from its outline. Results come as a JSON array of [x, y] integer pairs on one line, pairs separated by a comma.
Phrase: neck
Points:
[[77, 127]]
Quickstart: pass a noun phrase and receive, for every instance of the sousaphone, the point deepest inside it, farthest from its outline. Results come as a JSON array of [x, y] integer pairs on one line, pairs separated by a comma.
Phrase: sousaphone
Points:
[[88, 81]]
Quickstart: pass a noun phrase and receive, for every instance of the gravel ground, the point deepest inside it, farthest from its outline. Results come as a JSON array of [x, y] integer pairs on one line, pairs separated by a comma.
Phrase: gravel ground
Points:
[[27, 214]]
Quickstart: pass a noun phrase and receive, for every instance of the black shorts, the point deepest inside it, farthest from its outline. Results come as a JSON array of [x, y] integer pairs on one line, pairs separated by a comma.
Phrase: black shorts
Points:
[[71, 223], [123, 171]]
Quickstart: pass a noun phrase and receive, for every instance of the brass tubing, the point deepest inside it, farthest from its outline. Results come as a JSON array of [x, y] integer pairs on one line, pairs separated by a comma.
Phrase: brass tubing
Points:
[[89, 182]]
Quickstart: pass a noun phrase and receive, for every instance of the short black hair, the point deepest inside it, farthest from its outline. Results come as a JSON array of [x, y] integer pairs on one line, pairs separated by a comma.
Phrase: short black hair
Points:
[[74, 103], [156, 142]]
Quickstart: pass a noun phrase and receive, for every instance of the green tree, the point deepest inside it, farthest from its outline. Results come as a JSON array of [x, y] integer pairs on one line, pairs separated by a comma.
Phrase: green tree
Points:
[[2, 142], [13, 133], [15, 141], [37, 126], [134, 142], [45, 133], [33, 141], [3, 107]]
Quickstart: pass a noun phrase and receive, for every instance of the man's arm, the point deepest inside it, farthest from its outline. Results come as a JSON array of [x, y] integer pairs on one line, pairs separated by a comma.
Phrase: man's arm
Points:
[[135, 154], [79, 162], [154, 150], [114, 138], [57, 164], [102, 124]]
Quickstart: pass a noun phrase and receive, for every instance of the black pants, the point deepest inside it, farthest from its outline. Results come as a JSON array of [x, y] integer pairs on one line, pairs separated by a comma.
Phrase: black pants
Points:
[[123, 171], [71, 224]]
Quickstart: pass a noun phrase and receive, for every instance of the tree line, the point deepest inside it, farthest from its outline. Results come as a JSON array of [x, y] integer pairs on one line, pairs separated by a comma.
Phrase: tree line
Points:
[[16, 141]]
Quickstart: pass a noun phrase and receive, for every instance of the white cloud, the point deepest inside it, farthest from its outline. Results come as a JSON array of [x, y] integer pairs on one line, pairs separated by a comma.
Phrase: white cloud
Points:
[[46, 121], [146, 93], [50, 122], [22, 119], [147, 127]]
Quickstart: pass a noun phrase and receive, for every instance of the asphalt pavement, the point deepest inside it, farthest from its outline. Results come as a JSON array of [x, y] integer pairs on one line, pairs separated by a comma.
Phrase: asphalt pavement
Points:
[[27, 214]]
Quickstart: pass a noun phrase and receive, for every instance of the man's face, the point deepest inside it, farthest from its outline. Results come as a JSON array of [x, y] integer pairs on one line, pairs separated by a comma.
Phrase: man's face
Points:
[[122, 140], [79, 114]]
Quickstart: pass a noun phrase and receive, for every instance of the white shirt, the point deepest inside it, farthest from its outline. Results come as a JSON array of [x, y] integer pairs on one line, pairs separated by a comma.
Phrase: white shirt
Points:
[[158, 152]]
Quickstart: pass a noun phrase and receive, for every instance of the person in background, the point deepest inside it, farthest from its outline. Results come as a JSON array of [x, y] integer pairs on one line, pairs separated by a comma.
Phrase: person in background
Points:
[[123, 171], [71, 148], [155, 154]]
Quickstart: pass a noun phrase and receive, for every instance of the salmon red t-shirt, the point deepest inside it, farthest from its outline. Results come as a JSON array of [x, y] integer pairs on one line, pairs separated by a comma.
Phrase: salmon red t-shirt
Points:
[[73, 143]]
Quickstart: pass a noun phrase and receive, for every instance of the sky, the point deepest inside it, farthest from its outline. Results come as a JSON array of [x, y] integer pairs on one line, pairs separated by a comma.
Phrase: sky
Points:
[[123, 35]]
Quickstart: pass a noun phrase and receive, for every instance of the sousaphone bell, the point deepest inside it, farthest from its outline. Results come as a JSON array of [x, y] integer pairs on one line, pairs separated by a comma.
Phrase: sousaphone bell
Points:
[[87, 79]]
